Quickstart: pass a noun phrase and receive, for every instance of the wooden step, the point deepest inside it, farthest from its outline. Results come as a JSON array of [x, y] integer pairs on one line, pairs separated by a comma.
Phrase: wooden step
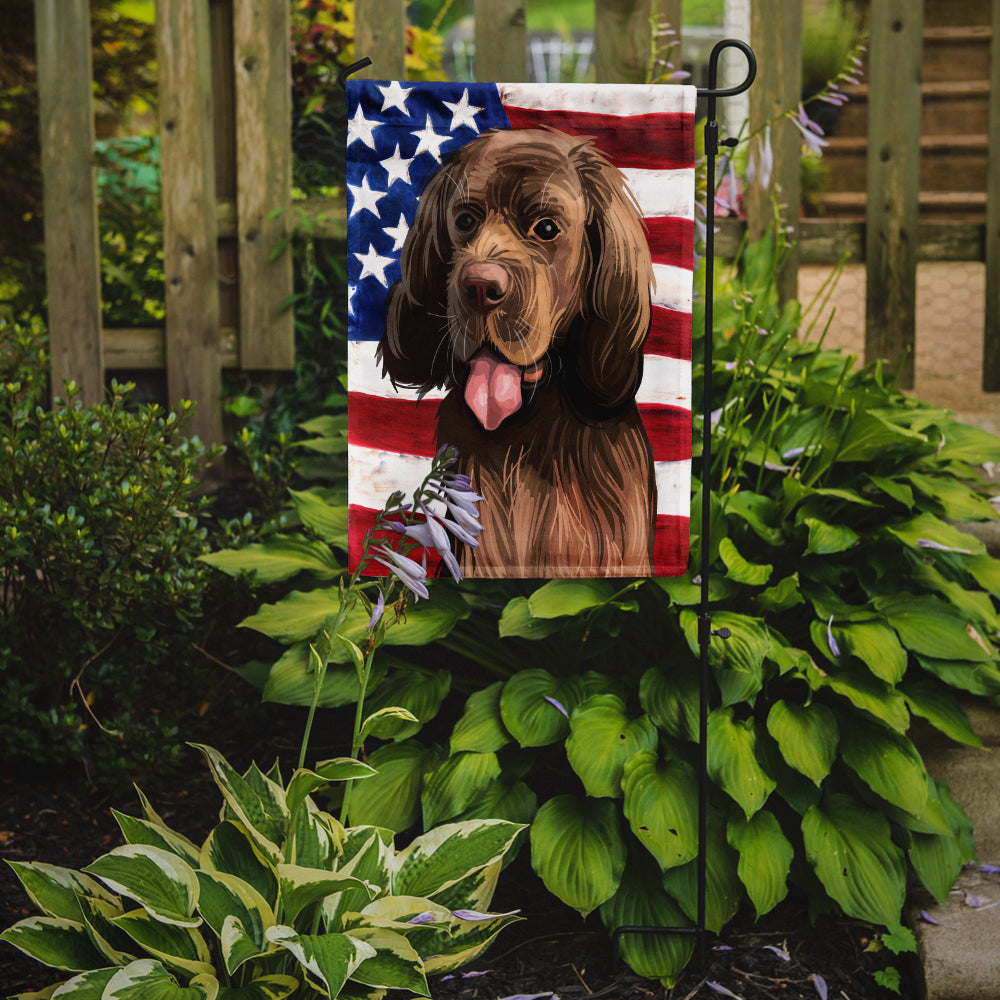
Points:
[[957, 206], [956, 53]]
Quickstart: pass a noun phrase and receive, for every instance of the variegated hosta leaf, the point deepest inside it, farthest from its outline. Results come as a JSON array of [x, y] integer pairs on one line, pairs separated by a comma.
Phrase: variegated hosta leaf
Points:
[[850, 847], [86, 986], [475, 891], [274, 987], [315, 838], [456, 784], [141, 831], [441, 857], [807, 736], [230, 849], [642, 902], [300, 887], [481, 727], [602, 737], [116, 946], [256, 801], [578, 851], [54, 941], [225, 897], [367, 853], [328, 959], [661, 799], [56, 891], [732, 760], [177, 947], [765, 858], [304, 782], [149, 980], [468, 939], [160, 882], [395, 964]]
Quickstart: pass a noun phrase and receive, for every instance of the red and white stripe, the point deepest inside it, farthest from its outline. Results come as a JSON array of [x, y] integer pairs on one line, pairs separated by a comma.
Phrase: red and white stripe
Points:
[[648, 133]]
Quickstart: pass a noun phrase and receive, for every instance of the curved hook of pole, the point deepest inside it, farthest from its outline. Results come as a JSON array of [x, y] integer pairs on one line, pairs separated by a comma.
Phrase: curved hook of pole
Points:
[[713, 69], [353, 68]]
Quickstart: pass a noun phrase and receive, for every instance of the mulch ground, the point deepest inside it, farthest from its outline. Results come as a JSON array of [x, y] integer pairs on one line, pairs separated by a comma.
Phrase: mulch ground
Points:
[[551, 953]]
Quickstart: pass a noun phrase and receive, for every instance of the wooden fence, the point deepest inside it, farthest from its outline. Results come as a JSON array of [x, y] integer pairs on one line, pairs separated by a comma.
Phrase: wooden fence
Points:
[[226, 160]]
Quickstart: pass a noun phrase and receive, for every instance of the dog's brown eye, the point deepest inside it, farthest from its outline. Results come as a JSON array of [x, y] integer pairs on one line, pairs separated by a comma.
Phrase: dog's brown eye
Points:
[[546, 229], [465, 222]]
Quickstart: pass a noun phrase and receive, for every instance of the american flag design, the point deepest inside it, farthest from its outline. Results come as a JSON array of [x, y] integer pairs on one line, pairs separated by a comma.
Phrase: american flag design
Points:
[[399, 133]]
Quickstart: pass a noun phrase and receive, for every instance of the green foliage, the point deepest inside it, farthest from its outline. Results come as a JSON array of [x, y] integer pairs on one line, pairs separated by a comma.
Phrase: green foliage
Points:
[[280, 899], [99, 540]]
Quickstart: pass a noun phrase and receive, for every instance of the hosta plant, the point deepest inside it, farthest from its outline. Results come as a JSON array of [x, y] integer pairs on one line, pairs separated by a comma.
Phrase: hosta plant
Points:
[[279, 900]]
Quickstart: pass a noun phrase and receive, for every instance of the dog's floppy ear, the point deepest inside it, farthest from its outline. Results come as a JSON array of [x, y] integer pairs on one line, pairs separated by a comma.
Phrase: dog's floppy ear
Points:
[[412, 351], [608, 342]]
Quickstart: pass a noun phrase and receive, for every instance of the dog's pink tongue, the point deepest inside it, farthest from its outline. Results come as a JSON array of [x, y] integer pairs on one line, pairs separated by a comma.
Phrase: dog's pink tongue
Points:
[[493, 389]]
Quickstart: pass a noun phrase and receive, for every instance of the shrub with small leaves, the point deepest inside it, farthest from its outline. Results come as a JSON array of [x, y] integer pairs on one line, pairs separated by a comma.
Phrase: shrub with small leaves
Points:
[[99, 572]]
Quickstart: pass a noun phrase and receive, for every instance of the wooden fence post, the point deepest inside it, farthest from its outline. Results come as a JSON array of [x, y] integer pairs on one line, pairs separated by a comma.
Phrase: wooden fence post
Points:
[[893, 183], [262, 60], [72, 255], [501, 40], [190, 251], [991, 333], [776, 34], [622, 40], [380, 34]]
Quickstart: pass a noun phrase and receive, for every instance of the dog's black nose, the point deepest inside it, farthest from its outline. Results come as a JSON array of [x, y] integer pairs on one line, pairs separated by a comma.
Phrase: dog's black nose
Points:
[[485, 284]]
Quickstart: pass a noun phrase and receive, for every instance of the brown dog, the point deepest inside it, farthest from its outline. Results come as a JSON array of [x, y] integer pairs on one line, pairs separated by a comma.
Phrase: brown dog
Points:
[[526, 292]]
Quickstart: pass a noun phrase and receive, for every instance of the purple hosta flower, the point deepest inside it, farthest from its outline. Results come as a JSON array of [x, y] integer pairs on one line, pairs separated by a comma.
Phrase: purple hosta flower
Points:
[[927, 918], [727, 197], [558, 705], [430, 534], [531, 996], [780, 952], [927, 543], [377, 611], [427, 917], [820, 983], [834, 648], [475, 915], [761, 163], [990, 869], [719, 988], [411, 574], [812, 134], [465, 975]]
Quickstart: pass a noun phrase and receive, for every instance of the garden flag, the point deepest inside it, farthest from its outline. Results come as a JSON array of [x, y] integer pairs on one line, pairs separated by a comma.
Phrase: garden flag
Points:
[[520, 282]]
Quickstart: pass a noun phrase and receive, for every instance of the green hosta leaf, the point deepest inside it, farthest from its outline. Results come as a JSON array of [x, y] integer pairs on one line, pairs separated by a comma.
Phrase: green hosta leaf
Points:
[[180, 948], [456, 784], [54, 941], [578, 851], [965, 443], [941, 709], [876, 646], [783, 595], [147, 979], [986, 571], [827, 539], [758, 511], [976, 605], [661, 798], [869, 436], [292, 680], [159, 881], [516, 803], [230, 849], [327, 520], [765, 858], [671, 700], [602, 738], [275, 987], [738, 661], [641, 901], [957, 501], [530, 706], [932, 628], [738, 569], [391, 798], [976, 678], [225, 897], [481, 728], [301, 887], [937, 859], [865, 692], [723, 889], [395, 964], [141, 831], [260, 809], [888, 763], [56, 891], [928, 528], [893, 488], [850, 848], [417, 690], [386, 723], [517, 620], [330, 959], [807, 736], [443, 856], [732, 760], [279, 558], [559, 598]]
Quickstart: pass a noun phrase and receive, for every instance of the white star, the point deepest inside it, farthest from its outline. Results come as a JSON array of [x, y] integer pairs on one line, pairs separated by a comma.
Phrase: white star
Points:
[[351, 289], [364, 197], [360, 128], [397, 168], [430, 141], [395, 97], [373, 264], [463, 113], [398, 232]]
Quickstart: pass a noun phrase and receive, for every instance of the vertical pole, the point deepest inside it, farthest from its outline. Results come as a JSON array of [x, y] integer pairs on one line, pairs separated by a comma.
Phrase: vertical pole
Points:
[[72, 256], [991, 333], [501, 37], [380, 34], [893, 184], [190, 250], [776, 32]]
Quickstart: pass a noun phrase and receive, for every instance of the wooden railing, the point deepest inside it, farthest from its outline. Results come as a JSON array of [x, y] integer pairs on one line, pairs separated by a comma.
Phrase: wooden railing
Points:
[[226, 156]]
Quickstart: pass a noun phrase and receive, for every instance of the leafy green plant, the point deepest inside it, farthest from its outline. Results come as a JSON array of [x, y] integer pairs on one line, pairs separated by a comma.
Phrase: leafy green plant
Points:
[[279, 899], [99, 541]]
